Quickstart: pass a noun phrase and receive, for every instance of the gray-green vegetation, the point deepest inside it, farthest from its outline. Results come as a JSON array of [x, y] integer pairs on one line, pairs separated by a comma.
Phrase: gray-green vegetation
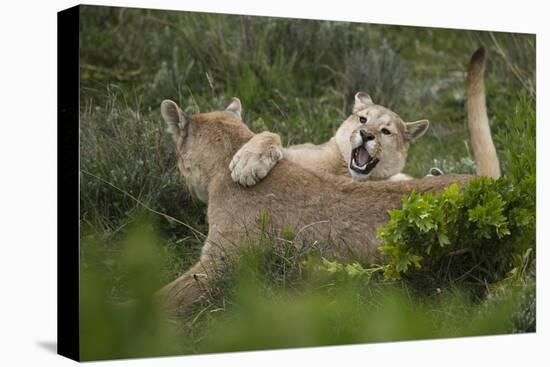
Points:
[[298, 78]]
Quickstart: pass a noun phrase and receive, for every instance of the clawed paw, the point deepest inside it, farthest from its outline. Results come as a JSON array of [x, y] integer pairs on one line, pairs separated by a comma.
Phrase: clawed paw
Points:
[[249, 167]]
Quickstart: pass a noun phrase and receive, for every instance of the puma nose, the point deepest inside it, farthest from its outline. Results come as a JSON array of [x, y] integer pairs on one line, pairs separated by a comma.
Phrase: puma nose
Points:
[[366, 136]]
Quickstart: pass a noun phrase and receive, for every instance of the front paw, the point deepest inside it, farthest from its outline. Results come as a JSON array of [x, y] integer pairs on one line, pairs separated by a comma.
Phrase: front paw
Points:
[[248, 167], [434, 171]]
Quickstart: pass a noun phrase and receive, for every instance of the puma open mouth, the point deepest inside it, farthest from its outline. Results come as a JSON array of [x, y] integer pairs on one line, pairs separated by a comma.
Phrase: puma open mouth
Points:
[[361, 161]]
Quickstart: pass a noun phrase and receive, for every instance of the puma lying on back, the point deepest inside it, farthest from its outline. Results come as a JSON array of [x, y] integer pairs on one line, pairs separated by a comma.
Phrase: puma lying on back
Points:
[[393, 137], [336, 212], [386, 140]]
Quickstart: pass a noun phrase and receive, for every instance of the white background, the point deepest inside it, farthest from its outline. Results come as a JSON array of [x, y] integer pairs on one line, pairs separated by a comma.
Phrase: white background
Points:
[[28, 181]]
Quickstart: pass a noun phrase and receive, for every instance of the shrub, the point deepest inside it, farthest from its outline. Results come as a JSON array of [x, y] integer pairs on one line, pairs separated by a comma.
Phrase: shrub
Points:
[[476, 233], [480, 233]]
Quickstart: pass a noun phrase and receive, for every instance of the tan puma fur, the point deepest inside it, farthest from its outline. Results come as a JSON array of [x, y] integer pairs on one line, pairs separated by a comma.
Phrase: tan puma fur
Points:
[[322, 208], [256, 158], [335, 211], [478, 123]]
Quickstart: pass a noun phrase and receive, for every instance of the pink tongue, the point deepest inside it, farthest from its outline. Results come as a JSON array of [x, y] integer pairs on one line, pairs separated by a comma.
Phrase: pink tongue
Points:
[[362, 157]]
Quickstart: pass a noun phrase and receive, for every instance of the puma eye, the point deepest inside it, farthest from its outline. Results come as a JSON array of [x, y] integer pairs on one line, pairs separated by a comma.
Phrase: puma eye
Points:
[[362, 119], [385, 131]]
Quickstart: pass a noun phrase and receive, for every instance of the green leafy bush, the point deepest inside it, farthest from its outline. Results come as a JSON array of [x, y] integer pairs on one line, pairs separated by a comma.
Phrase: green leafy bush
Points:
[[476, 233], [480, 233]]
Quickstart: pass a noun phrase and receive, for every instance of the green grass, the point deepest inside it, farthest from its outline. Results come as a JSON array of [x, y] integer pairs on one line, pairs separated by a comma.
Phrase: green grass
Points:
[[296, 78]]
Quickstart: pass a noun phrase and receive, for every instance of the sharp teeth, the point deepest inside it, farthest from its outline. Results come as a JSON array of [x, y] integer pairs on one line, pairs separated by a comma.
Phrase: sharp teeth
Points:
[[360, 167]]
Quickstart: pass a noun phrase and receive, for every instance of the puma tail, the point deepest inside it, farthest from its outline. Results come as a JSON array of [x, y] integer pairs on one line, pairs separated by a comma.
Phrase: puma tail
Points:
[[480, 133]]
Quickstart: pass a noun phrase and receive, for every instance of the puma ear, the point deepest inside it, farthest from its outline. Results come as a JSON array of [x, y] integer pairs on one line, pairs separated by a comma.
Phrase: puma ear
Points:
[[362, 100], [174, 118], [235, 107], [414, 130]]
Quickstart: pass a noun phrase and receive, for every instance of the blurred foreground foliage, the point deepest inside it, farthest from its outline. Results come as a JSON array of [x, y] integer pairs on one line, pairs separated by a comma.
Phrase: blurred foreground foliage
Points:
[[263, 305]]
